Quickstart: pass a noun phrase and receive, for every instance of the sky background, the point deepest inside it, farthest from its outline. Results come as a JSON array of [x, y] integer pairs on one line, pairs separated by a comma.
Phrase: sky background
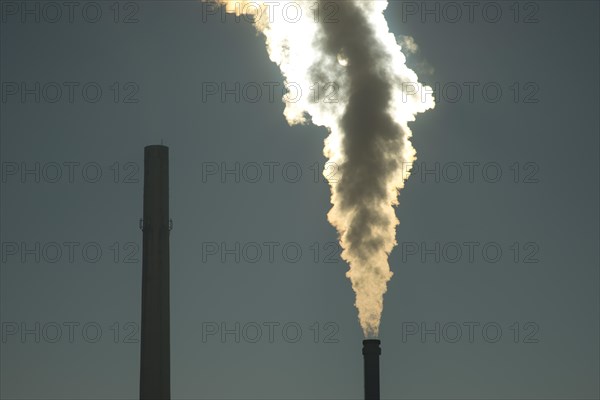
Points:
[[541, 213]]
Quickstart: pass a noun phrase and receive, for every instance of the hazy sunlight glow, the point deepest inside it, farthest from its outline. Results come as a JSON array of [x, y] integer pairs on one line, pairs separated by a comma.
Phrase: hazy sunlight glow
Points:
[[345, 71]]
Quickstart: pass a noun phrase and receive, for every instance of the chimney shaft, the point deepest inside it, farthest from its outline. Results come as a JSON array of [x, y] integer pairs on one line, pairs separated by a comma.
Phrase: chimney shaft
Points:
[[155, 363], [371, 352]]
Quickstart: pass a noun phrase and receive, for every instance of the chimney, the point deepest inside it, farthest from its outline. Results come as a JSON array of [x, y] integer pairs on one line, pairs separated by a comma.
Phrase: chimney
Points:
[[371, 352], [155, 363]]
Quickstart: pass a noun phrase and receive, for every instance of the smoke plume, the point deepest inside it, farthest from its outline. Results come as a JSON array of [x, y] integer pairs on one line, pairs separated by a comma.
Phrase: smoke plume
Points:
[[345, 71]]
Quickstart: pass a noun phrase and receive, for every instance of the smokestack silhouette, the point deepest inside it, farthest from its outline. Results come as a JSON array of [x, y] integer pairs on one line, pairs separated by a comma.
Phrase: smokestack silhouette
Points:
[[155, 363], [371, 352]]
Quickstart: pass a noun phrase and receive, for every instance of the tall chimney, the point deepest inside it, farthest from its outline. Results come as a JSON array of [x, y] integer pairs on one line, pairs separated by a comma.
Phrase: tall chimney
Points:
[[371, 352], [155, 363]]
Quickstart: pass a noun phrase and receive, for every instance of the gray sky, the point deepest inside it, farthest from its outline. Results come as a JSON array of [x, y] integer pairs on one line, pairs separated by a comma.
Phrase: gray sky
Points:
[[541, 213]]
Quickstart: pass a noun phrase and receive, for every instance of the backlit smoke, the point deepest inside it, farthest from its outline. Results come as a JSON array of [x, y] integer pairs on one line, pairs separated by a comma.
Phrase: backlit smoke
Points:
[[345, 71]]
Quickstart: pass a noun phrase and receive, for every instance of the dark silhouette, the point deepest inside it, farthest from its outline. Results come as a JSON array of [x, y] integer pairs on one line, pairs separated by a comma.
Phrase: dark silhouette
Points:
[[371, 352], [155, 358]]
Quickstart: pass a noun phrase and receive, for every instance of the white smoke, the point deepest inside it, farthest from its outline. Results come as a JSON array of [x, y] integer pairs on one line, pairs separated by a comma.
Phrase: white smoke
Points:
[[349, 75], [408, 44]]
